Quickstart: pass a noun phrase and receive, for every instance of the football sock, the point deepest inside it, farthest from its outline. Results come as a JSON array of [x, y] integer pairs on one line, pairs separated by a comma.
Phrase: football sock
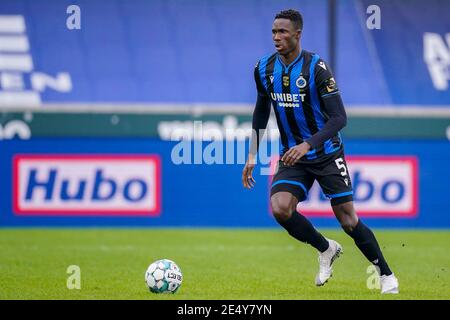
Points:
[[366, 242], [301, 229]]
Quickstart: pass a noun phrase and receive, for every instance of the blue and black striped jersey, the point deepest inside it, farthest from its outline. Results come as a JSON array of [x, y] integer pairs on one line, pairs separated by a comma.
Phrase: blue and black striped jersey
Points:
[[297, 93]]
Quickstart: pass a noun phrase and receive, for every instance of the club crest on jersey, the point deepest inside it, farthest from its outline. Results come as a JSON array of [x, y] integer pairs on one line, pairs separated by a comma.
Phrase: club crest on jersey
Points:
[[301, 82], [331, 85]]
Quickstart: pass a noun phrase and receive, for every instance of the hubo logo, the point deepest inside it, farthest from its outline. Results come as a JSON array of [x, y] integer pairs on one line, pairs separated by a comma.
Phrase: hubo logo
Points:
[[67, 185], [19, 84], [382, 186], [436, 53]]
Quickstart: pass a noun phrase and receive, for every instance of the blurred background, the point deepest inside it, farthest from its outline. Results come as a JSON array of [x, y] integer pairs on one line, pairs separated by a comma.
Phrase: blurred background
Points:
[[92, 94]]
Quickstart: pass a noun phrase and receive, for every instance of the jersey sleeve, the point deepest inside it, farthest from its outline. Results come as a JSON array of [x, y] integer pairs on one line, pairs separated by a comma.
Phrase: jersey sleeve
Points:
[[261, 113], [259, 85], [325, 82]]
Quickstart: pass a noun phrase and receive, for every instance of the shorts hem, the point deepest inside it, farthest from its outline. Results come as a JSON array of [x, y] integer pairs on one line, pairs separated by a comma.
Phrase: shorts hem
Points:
[[294, 190], [340, 200]]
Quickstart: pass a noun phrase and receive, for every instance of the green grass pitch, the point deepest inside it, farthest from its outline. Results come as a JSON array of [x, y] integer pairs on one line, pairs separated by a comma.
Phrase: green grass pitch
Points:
[[216, 264]]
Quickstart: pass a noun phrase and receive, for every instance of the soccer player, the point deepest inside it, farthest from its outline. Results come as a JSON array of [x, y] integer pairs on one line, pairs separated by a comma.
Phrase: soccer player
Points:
[[309, 113]]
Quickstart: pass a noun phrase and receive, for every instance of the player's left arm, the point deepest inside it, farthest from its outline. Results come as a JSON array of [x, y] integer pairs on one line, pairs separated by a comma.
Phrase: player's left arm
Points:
[[333, 107], [329, 94]]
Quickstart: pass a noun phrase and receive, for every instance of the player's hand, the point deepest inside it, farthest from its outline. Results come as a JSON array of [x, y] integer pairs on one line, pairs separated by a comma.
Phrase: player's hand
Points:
[[295, 153], [247, 174]]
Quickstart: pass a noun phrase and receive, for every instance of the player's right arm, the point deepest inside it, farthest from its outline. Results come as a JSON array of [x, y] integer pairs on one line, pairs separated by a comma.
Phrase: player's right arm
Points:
[[261, 115]]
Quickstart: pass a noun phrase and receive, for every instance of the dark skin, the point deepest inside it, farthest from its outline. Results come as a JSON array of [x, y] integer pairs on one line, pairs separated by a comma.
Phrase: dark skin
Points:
[[286, 38]]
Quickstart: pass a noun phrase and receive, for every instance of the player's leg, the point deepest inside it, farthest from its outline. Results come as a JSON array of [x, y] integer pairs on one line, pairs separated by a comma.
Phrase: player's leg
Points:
[[289, 185], [364, 238], [335, 181], [334, 185], [284, 205], [284, 211], [366, 242]]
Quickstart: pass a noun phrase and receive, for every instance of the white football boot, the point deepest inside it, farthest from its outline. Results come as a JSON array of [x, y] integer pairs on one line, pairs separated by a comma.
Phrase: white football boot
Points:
[[389, 284], [326, 260]]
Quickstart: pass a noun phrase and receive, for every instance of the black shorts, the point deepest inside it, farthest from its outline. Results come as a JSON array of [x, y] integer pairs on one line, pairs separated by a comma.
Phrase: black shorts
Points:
[[330, 172]]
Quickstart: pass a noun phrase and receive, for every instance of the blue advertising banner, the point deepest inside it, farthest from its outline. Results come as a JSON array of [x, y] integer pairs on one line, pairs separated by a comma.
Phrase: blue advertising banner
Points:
[[141, 182], [413, 49]]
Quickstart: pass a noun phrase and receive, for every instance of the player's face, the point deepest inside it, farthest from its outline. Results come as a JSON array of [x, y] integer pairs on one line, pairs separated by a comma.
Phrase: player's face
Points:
[[285, 36]]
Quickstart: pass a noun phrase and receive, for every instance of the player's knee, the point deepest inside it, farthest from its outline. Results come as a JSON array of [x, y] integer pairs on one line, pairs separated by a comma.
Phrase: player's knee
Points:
[[347, 226], [281, 210], [348, 222], [347, 216]]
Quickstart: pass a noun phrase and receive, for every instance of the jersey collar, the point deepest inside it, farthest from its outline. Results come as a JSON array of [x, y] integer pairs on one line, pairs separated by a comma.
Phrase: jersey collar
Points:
[[286, 68]]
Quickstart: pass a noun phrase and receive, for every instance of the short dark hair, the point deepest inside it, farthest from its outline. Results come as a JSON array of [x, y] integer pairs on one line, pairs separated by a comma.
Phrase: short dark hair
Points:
[[292, 15]]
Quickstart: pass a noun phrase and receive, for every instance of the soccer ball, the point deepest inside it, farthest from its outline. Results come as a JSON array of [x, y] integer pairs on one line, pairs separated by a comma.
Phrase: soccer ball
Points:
[[163, 276]]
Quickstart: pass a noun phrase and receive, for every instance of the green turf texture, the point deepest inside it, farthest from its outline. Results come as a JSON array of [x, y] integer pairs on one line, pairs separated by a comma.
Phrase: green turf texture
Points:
[[216, 264]]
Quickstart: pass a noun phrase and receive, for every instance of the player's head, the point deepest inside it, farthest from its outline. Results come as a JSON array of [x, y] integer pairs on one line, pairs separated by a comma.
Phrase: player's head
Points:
[[286, 30]]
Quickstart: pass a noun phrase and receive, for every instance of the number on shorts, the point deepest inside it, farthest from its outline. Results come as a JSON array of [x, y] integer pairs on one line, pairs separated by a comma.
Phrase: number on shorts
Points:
[[340, 164]]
